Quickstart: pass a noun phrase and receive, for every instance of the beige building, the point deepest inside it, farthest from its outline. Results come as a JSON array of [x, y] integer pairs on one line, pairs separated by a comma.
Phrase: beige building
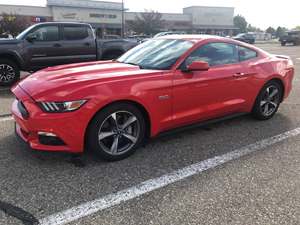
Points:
[[106, 17]]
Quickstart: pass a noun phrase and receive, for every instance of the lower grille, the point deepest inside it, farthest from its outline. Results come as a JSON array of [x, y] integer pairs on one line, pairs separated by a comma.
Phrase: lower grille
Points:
[[49, 140]]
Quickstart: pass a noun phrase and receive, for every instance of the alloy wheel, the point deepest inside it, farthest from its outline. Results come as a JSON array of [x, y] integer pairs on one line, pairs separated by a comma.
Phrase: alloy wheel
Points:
[[270, 100], [7, 73], [119, 132]]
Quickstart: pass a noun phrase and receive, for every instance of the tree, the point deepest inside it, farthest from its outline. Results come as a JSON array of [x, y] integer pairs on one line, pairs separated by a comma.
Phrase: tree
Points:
[[297, 28], [280, 31], [271, 30], [251, 28], [148, 22], [12, 24], [241, 23]]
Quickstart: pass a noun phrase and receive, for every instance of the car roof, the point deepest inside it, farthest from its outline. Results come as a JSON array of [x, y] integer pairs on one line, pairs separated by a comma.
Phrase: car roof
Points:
[[196, 38], [63, 23]]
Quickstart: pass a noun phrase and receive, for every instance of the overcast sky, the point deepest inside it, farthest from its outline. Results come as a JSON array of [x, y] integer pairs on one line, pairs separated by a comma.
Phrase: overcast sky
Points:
[[260, 13]]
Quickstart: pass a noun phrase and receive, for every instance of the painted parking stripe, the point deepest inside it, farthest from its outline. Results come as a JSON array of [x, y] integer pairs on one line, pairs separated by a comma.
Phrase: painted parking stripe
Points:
[[114, 199], [6, 118]]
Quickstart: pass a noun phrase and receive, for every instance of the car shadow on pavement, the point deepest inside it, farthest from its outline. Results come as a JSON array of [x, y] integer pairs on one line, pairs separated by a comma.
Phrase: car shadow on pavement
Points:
[[195, 143]]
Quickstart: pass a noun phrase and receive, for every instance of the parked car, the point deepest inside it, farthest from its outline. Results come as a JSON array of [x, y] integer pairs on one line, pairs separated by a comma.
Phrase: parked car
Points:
[[112, 107], [168, 33], [161, 34], [49, 44], [292, 37], [138, 38], [245, 37]]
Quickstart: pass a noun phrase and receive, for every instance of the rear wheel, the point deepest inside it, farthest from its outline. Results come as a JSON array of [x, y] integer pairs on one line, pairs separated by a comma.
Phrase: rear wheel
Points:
[[9, 72], [268, 101], [116, 132]]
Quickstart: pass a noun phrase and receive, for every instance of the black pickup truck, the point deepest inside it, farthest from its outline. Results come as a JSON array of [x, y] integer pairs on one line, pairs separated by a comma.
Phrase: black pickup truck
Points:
[[49, 44], [292, 37]]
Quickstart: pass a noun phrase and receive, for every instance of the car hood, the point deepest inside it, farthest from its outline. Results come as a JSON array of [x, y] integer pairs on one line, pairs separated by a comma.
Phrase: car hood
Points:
[[63, 80]]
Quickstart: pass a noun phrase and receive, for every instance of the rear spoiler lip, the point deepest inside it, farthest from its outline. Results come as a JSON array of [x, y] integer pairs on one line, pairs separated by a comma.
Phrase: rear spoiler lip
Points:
[[282, 57]]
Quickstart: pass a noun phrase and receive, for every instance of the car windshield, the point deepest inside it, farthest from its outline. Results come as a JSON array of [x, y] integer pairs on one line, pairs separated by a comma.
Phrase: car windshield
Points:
[[23, 33], [156, 53]]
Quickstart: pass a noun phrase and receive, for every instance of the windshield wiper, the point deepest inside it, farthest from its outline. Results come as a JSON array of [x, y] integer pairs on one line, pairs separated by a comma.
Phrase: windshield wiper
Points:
[[134, 64]]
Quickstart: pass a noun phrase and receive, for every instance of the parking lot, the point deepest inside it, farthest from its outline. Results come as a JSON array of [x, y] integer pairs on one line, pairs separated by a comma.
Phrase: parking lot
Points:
[[258, 184]]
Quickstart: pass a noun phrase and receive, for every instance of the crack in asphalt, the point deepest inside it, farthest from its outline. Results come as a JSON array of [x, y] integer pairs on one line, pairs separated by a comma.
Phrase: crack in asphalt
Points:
[[25, 217]]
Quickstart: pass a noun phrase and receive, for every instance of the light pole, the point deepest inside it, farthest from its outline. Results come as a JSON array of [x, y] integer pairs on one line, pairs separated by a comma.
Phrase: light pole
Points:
[[123, 25]]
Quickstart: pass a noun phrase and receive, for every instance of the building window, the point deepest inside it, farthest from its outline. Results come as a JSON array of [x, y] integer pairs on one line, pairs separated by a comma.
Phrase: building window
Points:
[[107, 16]]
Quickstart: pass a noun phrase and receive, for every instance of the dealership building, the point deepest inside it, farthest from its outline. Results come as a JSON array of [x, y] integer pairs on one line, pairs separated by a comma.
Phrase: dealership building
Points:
[[106, 17]]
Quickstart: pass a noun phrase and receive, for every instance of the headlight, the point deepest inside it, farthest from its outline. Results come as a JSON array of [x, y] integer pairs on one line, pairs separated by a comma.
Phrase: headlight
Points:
[[58, 107]]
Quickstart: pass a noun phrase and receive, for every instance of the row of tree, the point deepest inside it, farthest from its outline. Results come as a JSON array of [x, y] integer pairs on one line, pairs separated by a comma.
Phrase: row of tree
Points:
[[12, 24], [241, 23], [149, 22]]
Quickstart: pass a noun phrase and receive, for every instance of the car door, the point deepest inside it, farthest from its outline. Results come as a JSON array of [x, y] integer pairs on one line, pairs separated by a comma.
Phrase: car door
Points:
[[78, 44], [202, 95], [44, 49]]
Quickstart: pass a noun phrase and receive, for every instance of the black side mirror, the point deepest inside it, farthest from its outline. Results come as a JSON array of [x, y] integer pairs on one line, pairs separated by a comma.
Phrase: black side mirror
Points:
[[31, 37]]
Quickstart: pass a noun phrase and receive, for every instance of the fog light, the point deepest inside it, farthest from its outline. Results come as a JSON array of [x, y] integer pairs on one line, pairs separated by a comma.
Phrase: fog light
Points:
[[47, 134]]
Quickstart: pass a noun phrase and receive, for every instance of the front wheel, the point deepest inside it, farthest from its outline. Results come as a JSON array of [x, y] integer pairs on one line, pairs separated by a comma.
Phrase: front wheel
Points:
[[268, 101], [9, 72], [116, 132]]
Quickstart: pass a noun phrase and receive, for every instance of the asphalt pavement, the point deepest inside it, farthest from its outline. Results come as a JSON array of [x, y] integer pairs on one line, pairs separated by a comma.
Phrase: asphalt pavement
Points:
[[259, 188]]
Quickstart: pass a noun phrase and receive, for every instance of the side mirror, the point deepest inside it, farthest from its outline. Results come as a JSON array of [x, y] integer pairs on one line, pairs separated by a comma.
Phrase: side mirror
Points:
[[197, 66], [31, 37]]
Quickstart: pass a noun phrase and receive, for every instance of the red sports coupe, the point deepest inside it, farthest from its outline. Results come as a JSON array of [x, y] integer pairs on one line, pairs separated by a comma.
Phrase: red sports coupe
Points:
[[111, 107]]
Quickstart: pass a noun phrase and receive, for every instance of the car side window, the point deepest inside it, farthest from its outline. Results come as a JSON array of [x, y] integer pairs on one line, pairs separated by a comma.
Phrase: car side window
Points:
[[47, 33], [75, 32], [215, 54], [246, 53]]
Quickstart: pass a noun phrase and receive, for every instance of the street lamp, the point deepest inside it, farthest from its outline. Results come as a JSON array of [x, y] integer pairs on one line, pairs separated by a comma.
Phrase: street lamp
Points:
[[123, 25]]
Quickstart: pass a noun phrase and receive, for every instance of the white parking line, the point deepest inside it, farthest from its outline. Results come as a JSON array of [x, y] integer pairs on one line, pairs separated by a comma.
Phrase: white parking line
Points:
[[114, 199], [6, 118]]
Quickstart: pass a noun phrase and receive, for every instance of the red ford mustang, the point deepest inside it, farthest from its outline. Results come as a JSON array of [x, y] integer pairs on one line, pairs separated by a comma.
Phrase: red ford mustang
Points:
[[111, 107]]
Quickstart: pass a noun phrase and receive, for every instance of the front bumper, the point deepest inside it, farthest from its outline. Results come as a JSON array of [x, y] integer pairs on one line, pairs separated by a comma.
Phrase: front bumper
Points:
[[69, 128]]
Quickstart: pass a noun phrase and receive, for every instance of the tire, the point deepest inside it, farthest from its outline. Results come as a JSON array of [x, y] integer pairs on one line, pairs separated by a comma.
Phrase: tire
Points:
[[266, 106], [9, 72], [111, 142], [283, 44]]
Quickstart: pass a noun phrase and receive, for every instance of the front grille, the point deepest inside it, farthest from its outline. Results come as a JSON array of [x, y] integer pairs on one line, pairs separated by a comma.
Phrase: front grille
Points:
[[23, 110]]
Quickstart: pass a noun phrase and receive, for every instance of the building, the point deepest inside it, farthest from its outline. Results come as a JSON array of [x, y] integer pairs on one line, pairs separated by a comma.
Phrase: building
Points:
[[106, 17]]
